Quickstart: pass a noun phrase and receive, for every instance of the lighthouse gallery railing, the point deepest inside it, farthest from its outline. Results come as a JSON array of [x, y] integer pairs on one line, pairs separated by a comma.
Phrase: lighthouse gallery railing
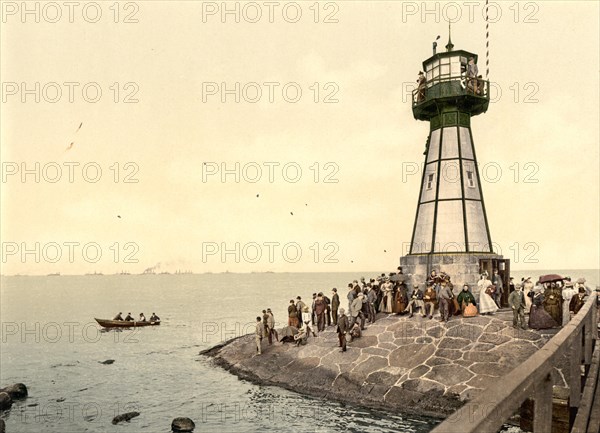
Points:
[[461, 85], [496, 404]]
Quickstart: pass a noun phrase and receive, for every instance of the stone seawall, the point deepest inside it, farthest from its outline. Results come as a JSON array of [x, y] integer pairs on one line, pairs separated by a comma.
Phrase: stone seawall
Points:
[[415, 366]]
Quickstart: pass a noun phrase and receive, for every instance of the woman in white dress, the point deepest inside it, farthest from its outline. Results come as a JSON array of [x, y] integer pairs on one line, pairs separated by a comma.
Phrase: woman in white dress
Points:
[[567, 293], [527, 287], [482, 284], [486, 302], [306, 321], [386, 300]]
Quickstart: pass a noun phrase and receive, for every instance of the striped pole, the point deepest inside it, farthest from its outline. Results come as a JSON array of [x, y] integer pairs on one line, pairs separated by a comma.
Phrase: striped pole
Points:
[[487, 41]]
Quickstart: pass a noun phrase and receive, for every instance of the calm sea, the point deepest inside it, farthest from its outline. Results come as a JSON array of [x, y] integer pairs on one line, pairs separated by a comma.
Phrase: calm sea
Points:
[[50, 342]]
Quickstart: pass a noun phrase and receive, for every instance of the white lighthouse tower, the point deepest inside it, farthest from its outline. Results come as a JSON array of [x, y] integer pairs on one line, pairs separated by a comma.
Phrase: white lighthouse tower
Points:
[[451, 231]]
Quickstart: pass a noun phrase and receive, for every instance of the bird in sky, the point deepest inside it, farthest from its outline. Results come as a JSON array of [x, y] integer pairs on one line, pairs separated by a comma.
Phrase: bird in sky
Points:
[[79, 126], [70, 146]]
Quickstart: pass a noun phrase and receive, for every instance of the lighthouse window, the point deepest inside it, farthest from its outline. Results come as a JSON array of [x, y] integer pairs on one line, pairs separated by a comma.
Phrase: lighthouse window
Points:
[[430, 181], [470, 180], [435, 70], [455, 66], [444, 71]]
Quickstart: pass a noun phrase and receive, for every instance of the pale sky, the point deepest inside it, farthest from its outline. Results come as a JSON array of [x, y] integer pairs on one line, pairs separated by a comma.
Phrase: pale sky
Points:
[[543, 125]]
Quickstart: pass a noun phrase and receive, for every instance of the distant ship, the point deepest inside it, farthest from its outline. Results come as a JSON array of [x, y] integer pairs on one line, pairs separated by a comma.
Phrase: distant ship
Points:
[[57, 274], [180, 272], [95, 273]]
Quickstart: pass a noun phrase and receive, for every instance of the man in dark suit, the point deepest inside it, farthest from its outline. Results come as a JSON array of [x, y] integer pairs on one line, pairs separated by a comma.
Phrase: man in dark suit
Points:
[[342, 328], [335, 304], [319, 311], [497, 281], [327, 310], [300, 307], [416, 301]]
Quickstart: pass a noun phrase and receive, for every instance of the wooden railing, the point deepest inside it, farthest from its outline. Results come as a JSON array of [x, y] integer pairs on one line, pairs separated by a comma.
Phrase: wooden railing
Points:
[[494, 406]]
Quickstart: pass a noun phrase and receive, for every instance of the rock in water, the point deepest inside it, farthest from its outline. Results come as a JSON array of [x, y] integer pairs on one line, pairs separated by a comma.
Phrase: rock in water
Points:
[[107, 362], [5, 401], [125, 417], [16, 391], [182, 425]]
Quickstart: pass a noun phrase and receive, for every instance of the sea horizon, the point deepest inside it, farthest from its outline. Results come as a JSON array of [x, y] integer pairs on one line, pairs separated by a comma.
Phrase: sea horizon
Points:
[[545, 270]]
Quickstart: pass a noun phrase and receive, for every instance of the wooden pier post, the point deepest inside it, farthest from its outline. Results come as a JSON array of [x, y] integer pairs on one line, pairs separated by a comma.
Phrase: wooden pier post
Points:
[[542, 411]]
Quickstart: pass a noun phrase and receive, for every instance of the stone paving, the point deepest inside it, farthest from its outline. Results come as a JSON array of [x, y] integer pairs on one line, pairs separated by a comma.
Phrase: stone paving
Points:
[[416, 365]]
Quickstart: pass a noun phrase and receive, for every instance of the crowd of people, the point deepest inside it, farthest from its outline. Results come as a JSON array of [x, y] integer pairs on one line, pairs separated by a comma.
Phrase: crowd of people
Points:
[[548, 304], [553, 303], [142, 318]]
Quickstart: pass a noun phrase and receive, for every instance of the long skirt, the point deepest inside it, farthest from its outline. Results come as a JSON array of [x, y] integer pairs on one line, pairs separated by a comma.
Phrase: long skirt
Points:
[[486, 304], [399, 304], [469, 310], [527, 303], [386, 303], [540, 319], [293, 321], [566, 316], [555, 311]]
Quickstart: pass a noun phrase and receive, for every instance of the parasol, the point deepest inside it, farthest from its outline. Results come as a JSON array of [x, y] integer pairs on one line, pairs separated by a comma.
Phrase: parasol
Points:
[[550, 278]]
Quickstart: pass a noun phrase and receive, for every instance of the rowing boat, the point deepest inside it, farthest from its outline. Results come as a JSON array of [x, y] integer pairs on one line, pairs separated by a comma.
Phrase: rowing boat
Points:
[[124, 323]]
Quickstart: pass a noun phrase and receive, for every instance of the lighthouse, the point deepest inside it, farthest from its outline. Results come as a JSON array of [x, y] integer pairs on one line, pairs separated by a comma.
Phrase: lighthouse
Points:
[[451, 231]]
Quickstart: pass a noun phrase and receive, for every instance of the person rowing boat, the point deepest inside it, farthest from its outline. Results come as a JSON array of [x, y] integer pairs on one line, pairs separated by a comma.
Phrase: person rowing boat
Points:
[[118, 316]]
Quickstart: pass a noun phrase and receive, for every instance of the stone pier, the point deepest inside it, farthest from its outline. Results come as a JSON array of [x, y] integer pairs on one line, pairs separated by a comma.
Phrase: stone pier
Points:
[[416, 366]]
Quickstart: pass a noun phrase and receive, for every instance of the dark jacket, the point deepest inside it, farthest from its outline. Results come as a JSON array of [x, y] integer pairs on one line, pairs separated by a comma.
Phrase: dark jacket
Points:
[[416, 294], [365, 306], [292, 311], [320, 306], [466, 297], [516, 300], [335, 302], [343, 324], [576, 303], [432, 295]]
